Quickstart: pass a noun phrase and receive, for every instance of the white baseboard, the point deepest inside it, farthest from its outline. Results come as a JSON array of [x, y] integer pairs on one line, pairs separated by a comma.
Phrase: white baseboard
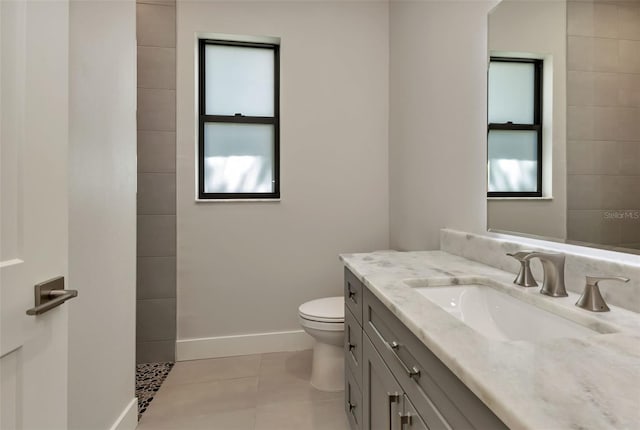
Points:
[[128, 419], [228, 346]]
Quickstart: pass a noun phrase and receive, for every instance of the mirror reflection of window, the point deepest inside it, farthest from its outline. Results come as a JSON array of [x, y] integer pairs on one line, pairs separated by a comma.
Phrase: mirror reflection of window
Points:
[[515, 127]]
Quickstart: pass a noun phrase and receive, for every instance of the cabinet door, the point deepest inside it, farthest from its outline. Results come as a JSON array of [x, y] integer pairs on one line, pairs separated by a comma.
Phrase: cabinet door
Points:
[[353, 345], [382, 394], [352, 401], [410, 420]]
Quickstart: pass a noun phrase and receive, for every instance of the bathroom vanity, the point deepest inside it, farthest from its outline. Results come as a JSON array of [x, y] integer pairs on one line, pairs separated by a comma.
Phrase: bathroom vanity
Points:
[[413, 361], [394, 380]]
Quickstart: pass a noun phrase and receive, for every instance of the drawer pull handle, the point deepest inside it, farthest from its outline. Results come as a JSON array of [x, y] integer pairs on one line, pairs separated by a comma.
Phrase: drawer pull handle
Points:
[[413, 371], [394, 346], [405, 419], [351, 294], [393, 398], [352, 406], [352, 346]]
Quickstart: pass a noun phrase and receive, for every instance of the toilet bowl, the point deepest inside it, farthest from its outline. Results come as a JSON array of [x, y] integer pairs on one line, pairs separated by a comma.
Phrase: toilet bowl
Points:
[[323, 319]]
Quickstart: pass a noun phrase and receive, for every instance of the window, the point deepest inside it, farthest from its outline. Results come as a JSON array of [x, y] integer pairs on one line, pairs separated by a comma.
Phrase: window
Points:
[[238, 146], [515, 128]]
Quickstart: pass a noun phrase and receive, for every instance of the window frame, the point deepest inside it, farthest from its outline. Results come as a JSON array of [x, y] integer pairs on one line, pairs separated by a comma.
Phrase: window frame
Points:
[[509, 126], [204, 119]]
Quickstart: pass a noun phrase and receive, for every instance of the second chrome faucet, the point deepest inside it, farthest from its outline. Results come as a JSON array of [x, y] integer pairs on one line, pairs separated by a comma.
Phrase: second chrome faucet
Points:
[[553, 264]]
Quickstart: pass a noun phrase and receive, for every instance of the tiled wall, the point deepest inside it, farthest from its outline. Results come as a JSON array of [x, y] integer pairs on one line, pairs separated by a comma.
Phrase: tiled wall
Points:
[[156, 285], [603, 122]]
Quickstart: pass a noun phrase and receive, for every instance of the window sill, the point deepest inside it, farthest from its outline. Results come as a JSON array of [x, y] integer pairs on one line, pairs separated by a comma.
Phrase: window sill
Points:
[[237, 200], [546, 198]]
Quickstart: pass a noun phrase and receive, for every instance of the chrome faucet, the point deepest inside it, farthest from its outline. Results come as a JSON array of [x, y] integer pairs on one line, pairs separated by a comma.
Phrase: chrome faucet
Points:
[[591, 299], [553, 265]]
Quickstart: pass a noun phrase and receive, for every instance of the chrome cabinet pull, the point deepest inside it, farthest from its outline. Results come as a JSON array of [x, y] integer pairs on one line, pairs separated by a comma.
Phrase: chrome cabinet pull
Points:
[[50, 294], [393, 346], [351, 294], [393, 398], [413, 371], [404, 419]]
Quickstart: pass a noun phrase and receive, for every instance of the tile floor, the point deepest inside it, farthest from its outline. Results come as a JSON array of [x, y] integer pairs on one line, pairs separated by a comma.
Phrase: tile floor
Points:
[[149, 378], [252, 392]]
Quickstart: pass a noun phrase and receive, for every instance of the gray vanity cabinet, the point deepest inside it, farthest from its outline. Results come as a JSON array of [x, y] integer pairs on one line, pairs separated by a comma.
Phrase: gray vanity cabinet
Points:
[[393, 381], [385, 404], [353, 350]]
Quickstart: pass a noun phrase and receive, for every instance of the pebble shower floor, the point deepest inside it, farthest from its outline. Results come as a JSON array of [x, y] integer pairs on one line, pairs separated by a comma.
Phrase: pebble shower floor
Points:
[[149, 378]]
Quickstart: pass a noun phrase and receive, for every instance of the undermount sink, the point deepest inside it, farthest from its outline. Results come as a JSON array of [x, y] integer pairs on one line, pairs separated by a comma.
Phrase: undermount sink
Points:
[[500, 316]]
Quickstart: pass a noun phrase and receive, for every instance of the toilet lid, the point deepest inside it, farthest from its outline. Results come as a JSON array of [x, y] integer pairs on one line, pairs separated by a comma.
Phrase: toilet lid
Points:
[[329, 309]]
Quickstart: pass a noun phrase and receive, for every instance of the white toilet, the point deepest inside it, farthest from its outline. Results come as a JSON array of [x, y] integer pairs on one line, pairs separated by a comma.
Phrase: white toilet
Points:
[[323, 319]]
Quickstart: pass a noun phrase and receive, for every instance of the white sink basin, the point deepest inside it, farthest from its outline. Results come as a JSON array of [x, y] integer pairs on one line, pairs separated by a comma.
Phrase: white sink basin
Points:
[[498, 315]]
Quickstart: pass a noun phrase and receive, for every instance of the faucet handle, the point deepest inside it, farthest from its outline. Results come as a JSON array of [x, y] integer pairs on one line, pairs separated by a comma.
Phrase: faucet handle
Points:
[[591, 298], [593, 280], [525, 277], [520, 255]]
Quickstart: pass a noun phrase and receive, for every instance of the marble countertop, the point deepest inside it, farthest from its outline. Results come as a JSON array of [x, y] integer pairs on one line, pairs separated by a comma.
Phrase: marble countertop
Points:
[[586, 383]]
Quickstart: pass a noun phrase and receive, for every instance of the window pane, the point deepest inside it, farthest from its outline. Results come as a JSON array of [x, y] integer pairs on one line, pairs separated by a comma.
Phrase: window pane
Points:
[[511, 92], [513, 160], [238, 158], [239, 80]]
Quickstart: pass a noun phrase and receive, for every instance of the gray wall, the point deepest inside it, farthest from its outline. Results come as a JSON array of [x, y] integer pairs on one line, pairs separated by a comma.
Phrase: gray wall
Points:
[[603, 123], [438, 120], [245, 267], [156, 284]]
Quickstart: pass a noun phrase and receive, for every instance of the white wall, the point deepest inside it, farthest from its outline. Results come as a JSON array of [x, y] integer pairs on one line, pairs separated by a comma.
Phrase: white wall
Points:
[[437, 143], [245, 267], [515, 26], [102, 215]]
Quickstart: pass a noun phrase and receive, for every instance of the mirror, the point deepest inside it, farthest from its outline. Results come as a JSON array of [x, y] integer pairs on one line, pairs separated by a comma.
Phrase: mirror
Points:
[[588, 161]]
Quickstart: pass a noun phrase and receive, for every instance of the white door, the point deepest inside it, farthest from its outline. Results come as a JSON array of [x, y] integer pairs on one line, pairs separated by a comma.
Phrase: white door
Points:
[[34, 40]]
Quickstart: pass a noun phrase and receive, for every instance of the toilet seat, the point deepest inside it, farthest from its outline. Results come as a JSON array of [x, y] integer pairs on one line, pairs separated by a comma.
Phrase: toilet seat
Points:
[[319, 325], [327, 310]]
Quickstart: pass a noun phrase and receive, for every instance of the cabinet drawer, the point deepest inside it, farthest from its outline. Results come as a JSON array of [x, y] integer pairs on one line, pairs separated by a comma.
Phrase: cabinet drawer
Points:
[[352, 401], [353, 345], [442, 400], [414, 422], [353, 290]]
